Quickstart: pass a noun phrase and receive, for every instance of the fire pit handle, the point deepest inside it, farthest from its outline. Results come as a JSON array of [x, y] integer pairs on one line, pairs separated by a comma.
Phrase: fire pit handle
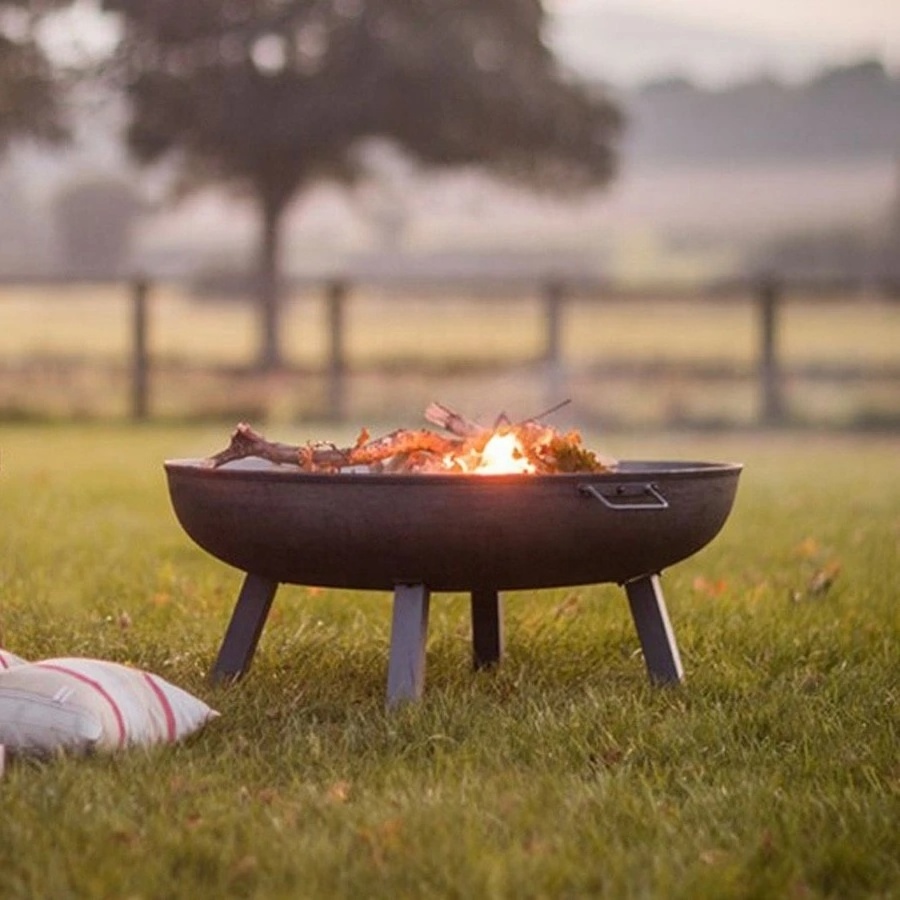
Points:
[[623, 494]]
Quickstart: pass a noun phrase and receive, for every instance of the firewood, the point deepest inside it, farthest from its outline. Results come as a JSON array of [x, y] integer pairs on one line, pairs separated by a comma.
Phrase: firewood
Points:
[[405, 450], [452, 421], [247, 442], [398, 443]]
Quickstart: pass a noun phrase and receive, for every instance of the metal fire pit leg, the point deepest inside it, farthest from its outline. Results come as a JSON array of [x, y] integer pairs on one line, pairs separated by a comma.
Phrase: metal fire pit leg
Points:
[[245, 627], [487, 629], [648, 609], [409, 629]]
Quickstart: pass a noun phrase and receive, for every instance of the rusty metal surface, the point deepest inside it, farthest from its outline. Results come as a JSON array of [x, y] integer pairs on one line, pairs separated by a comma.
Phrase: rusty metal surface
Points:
[[452, 532]]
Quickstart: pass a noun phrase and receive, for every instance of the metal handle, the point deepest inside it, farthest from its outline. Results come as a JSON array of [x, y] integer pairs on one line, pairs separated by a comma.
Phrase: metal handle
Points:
[[622, 491]]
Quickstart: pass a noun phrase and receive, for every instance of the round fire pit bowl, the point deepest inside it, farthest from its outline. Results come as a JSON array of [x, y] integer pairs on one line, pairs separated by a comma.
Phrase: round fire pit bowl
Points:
[[451, 532], [417, 533]]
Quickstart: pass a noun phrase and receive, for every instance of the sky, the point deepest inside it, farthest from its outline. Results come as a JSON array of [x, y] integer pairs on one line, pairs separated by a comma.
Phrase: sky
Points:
[[632, 41], [840, 22], [719, 41]]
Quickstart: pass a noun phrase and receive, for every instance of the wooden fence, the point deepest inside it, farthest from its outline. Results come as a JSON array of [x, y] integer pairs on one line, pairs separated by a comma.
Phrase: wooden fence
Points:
[[768, 297]]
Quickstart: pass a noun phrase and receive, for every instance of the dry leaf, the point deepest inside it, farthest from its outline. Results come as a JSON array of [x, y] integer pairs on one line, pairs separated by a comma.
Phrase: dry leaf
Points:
[[339, 792], [569, 607], [702, 585], [822, 580], [382, 838], [808, 548], [244, 866]]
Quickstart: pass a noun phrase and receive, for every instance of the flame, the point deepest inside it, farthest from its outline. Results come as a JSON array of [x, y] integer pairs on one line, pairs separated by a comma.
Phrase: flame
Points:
[[502, 455]]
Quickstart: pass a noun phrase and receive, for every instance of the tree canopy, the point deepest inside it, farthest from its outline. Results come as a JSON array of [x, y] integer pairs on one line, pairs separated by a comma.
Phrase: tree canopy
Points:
[[271, 95], [846, 112], [30, 105]]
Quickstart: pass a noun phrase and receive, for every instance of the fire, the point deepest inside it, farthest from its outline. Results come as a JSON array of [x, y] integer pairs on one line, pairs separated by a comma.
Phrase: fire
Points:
[[501, 455], [528, 447]]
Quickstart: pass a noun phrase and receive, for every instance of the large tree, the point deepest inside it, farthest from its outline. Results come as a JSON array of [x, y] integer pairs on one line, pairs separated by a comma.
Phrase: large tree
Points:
[[30, 84], [271, 95]]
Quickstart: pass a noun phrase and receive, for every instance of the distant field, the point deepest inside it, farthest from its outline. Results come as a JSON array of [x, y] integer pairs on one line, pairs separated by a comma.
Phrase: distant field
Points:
[[67, 353]]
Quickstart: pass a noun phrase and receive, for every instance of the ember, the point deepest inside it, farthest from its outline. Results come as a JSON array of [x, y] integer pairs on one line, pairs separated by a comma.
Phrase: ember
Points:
[[527, 447]]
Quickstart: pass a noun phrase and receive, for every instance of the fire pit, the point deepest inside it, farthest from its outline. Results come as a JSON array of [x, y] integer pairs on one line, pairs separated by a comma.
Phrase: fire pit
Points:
[[415, 534]]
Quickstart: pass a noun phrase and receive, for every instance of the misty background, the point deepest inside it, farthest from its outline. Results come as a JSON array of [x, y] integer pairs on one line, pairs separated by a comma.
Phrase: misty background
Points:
[[744, 152]]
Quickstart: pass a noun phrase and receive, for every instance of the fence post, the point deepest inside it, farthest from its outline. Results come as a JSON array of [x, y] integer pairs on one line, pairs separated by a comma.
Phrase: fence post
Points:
[[769, 296], [140, 358], [553, 301], [335, 299]]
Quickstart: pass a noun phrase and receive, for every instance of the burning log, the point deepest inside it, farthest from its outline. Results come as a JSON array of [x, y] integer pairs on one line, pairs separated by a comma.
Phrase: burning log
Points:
[[527, 447], [452, 421], [400, 443]]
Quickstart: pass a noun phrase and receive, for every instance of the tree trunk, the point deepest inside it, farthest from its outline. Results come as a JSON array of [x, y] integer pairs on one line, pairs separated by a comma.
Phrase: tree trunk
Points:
[[269, 286]]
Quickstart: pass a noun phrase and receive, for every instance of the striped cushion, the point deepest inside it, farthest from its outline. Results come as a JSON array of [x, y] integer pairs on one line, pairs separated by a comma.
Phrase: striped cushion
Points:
[[85, 704], [8, 660]]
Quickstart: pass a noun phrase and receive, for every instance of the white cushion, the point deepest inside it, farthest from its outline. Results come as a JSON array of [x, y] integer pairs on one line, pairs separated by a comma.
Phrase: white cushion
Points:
[[85, 704], [8, 660]]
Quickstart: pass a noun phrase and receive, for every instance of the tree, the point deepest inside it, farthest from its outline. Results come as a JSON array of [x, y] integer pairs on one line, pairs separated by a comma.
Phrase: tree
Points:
[[29, 84], [271, 95], [95, 218]]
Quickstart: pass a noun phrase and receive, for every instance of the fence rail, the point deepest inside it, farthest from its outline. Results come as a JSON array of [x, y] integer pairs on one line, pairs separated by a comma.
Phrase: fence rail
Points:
[[768, 297]]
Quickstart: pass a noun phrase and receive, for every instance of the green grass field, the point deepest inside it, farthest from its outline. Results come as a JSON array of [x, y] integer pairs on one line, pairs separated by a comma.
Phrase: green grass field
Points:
[[771, 772]]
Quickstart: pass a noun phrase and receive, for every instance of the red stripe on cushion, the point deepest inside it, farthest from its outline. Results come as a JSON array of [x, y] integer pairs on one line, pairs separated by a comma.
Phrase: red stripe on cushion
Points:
[[120, 719], [171, 729]]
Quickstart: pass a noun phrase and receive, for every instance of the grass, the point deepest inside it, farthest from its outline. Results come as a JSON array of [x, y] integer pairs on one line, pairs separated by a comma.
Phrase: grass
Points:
[[772, 772]]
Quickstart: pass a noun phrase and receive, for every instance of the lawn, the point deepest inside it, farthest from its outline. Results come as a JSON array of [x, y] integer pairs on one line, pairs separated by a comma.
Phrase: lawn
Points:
[[771, 772]]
